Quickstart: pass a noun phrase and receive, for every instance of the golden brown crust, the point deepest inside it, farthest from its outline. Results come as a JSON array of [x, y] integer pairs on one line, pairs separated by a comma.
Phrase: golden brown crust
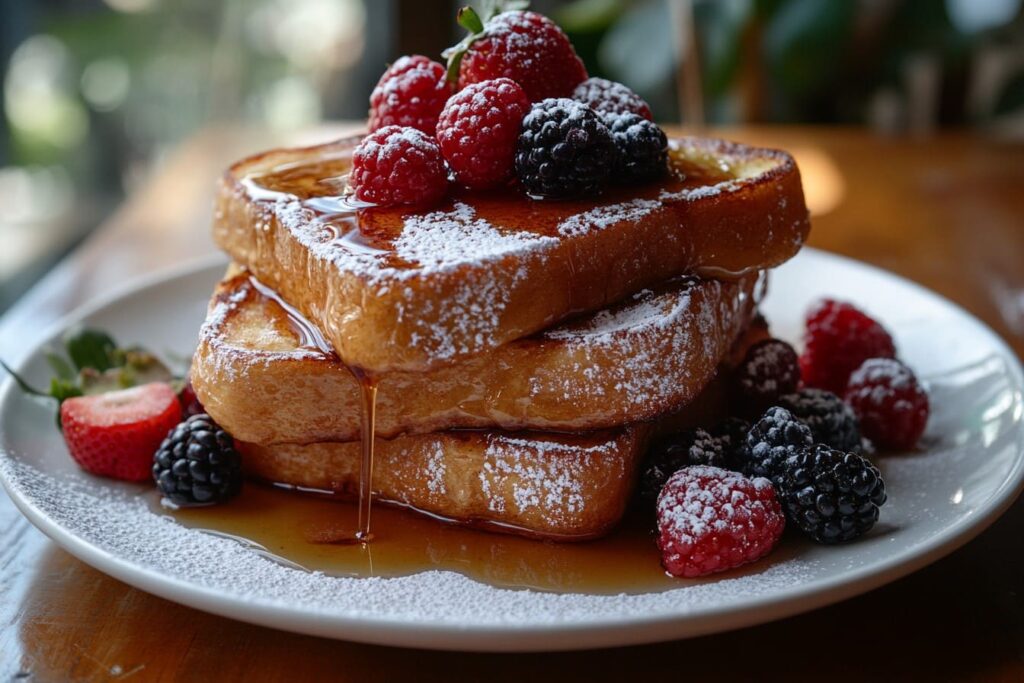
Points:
[[563, 487], [415, 292], [630, 363], [559, 487]]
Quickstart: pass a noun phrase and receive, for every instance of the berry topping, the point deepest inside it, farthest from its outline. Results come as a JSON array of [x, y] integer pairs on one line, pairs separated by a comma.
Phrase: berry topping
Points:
[[831, 496], [711, 520], [527, 47], [839, 337], [114, 434], [830, 420], [642, 148], [768, 370], [411, 93], [564, 150], [771, 441], [732, 433], [197, 463], [398, 165], [609, 97], [890, 402], [668, 455], [190, 404], [478, 130]]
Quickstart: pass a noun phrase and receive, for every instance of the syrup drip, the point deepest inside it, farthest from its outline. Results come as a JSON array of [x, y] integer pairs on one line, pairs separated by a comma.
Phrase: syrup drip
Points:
[[368, 415], [309, 334]]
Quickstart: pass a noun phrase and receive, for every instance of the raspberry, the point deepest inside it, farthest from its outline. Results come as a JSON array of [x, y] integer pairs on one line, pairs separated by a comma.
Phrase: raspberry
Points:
[[771, 441], [564, 150], [398, 165], [527, 47], [769, 369], [830, 420], [667, 456], [711, 520], [411, 93], [478, 129], [642, 148], [890, 402], [609, 97], [831, 496], [839, 337], [190, 404]]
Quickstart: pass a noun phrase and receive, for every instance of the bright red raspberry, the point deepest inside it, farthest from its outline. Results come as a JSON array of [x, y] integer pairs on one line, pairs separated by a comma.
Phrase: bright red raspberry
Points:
[[890, 402], [711, 520], [397, 165], [412, 93], [609, 97], [838, 338], [530, 49], [478, 129]]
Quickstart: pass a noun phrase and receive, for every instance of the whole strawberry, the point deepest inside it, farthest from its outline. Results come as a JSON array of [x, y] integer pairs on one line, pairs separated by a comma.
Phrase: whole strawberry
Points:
[[478, 129], [411, 93], [397, 165], [116, 433], [527, 47]]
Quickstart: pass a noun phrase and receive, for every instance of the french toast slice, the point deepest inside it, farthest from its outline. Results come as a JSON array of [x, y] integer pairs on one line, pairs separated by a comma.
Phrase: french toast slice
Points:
[[404, 289], [264, 374], [555, 486]]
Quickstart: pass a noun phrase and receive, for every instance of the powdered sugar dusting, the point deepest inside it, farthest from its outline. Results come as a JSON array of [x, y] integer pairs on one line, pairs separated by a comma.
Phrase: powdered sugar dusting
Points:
[[443, 239], [662, 342], [119, 522]]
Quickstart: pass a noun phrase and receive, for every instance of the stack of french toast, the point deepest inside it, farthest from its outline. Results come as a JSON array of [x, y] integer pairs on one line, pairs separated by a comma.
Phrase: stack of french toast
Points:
[[524, 353]]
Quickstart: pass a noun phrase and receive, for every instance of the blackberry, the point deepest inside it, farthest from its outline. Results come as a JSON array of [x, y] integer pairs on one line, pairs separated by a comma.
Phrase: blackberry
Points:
[[771, 441], [666, 457], [831, 496], [197, 463], [831, 421], [732, 433], [564, 150], [642, 148], [604, 96], [769, 369]]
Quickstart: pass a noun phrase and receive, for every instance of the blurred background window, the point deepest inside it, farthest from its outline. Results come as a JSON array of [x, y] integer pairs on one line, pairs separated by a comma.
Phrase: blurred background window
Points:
[[95, 92]]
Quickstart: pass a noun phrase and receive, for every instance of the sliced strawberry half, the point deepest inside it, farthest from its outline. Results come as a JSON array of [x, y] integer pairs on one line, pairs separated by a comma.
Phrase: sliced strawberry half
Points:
[[116, 433]]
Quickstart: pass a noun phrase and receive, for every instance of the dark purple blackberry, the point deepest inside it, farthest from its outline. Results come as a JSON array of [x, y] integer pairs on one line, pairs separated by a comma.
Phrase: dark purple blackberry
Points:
[[772, 440], [831, 421], [642, 149], [197, 463], [732, 433], [769, 369], [667, 456], [831, 496], [564, 150], [609, 97]]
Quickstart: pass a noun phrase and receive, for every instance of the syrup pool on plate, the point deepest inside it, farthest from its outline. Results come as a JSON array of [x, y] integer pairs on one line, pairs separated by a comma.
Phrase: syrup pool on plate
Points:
[[286, 525]]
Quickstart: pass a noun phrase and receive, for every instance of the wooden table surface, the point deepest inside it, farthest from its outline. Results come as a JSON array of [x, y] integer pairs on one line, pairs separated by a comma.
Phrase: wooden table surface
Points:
[[947, 211]]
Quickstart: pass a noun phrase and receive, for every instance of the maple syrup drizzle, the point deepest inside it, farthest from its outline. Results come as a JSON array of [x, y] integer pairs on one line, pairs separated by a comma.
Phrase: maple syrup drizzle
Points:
[[310, 336], [368, 417]]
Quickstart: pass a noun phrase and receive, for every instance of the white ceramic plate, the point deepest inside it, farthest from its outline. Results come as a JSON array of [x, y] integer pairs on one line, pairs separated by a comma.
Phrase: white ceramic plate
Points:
[[969, 473]]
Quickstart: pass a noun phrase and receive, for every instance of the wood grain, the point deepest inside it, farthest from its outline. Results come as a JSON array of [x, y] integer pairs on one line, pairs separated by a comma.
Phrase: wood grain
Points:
[[946, 211]]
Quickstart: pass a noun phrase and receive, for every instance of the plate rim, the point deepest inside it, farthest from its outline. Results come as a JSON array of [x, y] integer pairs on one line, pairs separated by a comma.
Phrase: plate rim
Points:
[[601, 632]]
